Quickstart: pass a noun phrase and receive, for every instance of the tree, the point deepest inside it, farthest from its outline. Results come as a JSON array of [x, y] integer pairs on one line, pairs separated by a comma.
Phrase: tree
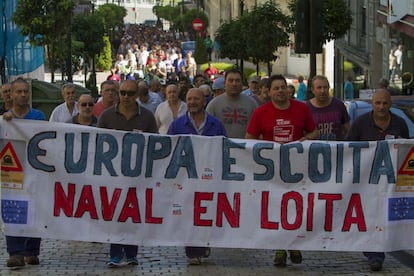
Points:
[[90, 31], [104, 59], [112, 17], [181, 18], [200, 54], [273, 34], [335, 21], [228, 35], [238, 39], [41, 22]]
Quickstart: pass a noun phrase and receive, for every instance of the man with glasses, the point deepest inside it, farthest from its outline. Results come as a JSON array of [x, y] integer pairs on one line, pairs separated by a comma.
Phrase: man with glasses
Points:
[[130, 116], [85, 115]]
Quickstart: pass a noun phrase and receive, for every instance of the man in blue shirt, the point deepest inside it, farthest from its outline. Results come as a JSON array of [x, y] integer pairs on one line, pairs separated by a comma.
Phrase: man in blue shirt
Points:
[[349, 89], [198, 122], [22, 249]]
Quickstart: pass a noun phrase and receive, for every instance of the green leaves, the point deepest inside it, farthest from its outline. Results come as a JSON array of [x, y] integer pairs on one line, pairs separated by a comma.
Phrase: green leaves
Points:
[[256, 34]]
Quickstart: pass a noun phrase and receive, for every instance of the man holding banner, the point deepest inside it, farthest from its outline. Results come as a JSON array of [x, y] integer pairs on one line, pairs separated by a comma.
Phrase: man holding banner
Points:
[[282, 120], [379, 124], [126, 115], [198, 122], [22, 249]]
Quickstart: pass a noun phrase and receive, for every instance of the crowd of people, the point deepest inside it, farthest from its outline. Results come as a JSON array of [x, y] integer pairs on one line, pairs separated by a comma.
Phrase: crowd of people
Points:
[[266, 109], [148, 53]]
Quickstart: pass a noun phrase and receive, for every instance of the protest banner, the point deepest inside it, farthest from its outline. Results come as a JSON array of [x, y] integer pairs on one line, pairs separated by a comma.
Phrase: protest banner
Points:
[[71, 182]]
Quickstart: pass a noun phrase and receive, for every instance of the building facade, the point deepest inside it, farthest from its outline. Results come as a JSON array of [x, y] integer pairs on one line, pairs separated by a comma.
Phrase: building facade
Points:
[[379, 26]]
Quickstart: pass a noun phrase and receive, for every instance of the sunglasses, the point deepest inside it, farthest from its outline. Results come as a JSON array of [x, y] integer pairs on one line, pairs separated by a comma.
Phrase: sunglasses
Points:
[[129, 93], [87, 104]]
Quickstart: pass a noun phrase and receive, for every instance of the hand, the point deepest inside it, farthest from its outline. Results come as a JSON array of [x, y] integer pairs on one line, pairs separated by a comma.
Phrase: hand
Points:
[[7, 116]]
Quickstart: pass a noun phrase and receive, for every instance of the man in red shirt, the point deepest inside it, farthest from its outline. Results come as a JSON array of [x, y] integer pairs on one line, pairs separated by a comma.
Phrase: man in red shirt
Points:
[[282, 120], [211, 71]]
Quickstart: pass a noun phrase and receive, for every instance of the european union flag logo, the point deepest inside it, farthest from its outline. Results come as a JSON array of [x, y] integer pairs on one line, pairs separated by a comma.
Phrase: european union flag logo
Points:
[[400, 208], [14, 211]]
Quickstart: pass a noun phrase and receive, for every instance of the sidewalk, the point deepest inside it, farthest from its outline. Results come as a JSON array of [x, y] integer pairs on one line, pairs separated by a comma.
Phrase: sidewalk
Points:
[[86, 258]]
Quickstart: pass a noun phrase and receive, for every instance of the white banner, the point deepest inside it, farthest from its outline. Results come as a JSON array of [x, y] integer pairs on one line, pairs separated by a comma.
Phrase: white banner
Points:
[[70, 182]]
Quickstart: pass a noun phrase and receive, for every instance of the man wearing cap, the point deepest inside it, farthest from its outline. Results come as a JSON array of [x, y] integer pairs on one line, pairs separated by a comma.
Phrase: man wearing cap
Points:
[[253, 86], [218, 87]]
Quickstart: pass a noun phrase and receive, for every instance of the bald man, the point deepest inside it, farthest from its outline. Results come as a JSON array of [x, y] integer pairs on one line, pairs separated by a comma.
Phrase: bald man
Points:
[[198, 122], [85, 115], [379, 124]]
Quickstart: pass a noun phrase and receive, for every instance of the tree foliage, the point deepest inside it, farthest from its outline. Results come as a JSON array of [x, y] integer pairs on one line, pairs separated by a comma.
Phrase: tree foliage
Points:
[[104, 59], [112, 16], [239, 39], [337, 18], [181, 18], [41, 22], [90, 31], [229, 37], [200, 54]]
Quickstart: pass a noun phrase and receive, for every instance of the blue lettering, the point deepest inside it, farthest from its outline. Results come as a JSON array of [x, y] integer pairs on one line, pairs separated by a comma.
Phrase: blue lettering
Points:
[[183, 156], [285, 166], [316, 150], [339, 162], [105, 157], [228, 161], [267, 163], [357, 159], [382, 164], [33, 151], [70, 165], [131, 140]]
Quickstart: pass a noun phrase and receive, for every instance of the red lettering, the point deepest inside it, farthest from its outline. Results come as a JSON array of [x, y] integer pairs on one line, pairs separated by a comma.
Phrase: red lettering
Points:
[[199, 210], [329, 208], [86, 203], [265, 223], [297, 198], [108, 209], [309, 218], [148, 210], [359, 219], [62, 201], [130, 208], [223, 207]]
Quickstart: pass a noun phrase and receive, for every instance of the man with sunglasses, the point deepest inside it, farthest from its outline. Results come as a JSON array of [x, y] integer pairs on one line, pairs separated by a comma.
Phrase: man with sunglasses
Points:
[[85, 115], [130, 116]]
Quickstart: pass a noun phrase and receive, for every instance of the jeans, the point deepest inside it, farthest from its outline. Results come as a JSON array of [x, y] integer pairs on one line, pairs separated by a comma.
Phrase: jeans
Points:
[[23, 246], [119, 250]]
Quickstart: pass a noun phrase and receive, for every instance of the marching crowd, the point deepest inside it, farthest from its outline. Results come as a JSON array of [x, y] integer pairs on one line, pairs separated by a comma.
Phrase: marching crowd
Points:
[[159, 91]]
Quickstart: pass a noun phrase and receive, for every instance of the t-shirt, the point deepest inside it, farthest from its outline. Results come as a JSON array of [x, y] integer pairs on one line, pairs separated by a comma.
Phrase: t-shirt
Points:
[[143, 120], [281, 126], [365, 129], [330, 120], [234, 114]]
